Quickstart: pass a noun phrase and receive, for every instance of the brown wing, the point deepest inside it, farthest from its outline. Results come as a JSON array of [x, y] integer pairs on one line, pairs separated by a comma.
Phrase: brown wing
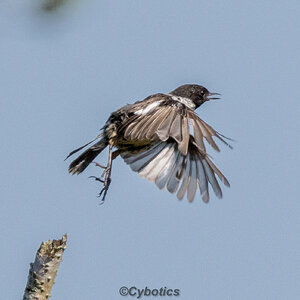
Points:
[[157, 121], [202, 130], [154, 120]]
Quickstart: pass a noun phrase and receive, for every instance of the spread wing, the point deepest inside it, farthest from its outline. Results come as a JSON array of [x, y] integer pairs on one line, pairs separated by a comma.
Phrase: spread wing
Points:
[[158, 121], [168, 168], [178, 160]]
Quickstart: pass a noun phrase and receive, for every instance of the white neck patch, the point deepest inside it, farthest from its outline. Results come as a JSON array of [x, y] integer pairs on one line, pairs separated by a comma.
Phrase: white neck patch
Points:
[[186, 101]]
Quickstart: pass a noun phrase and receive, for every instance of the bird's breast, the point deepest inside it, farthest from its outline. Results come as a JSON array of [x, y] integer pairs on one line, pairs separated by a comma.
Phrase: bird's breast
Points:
[[132, 146]]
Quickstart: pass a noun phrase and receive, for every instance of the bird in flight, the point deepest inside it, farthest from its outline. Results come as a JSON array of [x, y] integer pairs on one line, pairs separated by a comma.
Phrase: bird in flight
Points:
[[162, 139]]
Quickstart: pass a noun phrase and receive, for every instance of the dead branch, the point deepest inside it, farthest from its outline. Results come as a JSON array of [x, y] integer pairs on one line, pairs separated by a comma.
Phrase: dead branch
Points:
[[43, 271]]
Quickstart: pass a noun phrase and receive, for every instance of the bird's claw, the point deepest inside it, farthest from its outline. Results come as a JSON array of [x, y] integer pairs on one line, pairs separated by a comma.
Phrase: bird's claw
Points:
[[97, 178], [106, 182], [106, 174], [104, 189]]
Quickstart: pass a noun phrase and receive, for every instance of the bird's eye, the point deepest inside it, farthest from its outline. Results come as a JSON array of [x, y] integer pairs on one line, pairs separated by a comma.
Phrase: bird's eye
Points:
[[202, 93]]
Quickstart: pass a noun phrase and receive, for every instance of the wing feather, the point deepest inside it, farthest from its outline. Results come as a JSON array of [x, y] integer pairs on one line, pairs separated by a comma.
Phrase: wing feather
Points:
[[193, 181], [163, 130], [137, 131], [161, 115], [130, 126], [155, 166], [178, 161], [184, 144], [185, 181], [218, 172], [138, 162], [212, 178], [202, 129], [165, 165], [175, 177], [164, 175], [176, 129], [202, 181], [144, 129], [198, 135], [162, 122]]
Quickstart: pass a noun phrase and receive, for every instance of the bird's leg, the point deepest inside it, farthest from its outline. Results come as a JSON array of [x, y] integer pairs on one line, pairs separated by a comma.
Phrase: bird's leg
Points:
[[107, 173], [115, 154]]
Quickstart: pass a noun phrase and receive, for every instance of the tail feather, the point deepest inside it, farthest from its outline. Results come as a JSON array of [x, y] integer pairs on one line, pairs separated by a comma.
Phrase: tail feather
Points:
[[82, 161]]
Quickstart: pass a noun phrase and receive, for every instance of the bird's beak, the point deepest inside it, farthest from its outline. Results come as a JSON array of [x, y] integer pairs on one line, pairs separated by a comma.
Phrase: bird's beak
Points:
[[209, 96]]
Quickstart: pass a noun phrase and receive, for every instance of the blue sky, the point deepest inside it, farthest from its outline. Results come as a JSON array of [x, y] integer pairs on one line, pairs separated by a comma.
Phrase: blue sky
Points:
[[63, 73]]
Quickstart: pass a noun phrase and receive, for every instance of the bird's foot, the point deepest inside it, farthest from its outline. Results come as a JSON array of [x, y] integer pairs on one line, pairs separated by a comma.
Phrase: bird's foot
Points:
[[105, 188], [106, 181], [106, 174], [97, 178]]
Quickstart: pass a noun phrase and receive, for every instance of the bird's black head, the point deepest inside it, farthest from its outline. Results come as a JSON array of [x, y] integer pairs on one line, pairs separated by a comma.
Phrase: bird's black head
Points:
[[197, 93]]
